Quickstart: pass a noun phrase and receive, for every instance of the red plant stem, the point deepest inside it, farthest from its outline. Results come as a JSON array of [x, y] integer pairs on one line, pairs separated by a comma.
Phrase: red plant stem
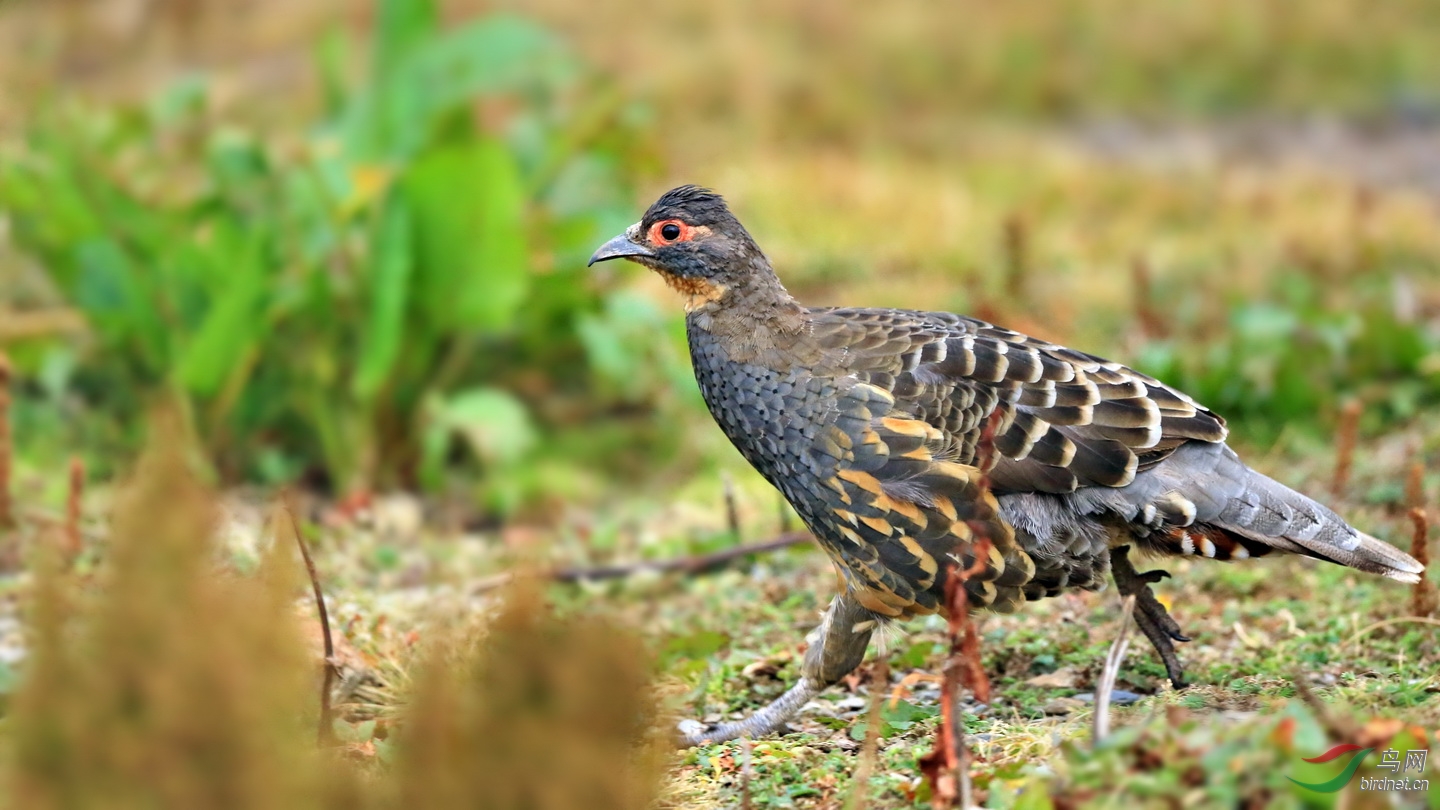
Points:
[[7, 508], [1423, 594], [947, 767], [1415, 484], [1345, 446], [73, 505]]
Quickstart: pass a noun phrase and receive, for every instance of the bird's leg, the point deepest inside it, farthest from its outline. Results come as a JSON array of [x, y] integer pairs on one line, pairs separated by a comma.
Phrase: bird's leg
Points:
[[1154, 621], [837, 647]]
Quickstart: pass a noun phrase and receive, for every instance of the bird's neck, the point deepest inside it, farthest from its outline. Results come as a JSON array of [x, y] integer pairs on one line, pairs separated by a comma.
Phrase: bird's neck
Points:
[[754, 318]]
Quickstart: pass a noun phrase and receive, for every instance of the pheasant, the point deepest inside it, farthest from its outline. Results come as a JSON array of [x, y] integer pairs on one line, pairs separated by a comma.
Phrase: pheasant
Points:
[[870, 423]]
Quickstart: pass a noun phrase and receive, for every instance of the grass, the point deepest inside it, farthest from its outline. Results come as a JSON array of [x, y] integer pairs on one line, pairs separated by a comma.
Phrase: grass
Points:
[[729, 642], [903, 156]]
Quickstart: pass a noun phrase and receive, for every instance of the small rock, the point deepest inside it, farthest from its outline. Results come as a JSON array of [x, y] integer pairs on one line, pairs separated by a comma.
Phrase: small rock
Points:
[[1062, 705], [1118, 697], [841, 742], [1063, 678], [765, 667]]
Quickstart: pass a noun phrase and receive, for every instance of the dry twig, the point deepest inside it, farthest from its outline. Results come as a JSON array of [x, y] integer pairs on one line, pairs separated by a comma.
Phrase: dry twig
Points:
[[732, 511], [326, 732], [1017, 256], [1359, 634], [73, 503], [1113, 659], [947, 767], [1415, 484], [747, 771], [1152, 324], [870, 753], [1338, 728], [695, 564], [17, 326]]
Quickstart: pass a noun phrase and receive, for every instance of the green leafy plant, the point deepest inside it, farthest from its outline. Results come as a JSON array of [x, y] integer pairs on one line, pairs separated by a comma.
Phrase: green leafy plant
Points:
[[1301, 352], [371, 302]]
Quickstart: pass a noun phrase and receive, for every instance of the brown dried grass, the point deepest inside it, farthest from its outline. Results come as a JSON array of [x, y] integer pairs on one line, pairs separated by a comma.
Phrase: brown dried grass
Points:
[[168, 680]]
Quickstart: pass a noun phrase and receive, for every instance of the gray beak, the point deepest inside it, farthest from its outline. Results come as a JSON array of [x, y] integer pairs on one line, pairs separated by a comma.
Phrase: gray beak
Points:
[[621, 247]]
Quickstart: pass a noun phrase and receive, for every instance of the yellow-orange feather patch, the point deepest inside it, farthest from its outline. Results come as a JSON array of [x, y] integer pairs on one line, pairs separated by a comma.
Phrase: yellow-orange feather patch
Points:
[[861, 479]]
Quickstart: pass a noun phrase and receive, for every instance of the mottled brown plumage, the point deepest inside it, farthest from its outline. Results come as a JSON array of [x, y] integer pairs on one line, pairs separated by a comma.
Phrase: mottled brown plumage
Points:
[[869, 421]]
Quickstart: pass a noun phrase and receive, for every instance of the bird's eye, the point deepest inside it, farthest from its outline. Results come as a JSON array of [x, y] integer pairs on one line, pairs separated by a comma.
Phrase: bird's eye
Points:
[[670, 231]]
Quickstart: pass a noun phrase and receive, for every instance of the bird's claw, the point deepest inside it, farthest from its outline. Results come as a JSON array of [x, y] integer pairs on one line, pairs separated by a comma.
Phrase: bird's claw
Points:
[[1151, 616]]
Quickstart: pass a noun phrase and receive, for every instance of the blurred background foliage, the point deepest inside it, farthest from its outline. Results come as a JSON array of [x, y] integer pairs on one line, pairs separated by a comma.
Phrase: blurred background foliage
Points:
[[395, 288], [353, 247]]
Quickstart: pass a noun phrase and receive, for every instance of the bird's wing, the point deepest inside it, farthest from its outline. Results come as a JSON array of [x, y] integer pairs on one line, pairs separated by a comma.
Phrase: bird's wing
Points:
[[896, 513], [907, 488], [1066, 419]]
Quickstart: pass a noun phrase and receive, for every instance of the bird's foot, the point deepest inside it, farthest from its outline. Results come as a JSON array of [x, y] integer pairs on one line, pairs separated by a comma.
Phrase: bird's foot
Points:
[[769, 719], [1151, 616]]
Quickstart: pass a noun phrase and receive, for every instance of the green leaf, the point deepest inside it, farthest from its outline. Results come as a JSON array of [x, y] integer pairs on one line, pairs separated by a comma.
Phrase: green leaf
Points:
[[401, 26], [110, 291], [468, 205], [389, 291], [500, 54], [421, 81], [230, 327], [899, 717], [701, 644], [332, 55], [495, 423]]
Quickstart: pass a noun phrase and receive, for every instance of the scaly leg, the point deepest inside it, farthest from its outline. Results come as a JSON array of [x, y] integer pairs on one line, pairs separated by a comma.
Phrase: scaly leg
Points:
[[1152, 618], [837, 647]]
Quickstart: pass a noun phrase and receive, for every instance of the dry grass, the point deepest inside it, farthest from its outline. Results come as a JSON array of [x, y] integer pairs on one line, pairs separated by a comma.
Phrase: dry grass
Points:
[[166, 680], [802, 70], [165, 683], [552, 715]]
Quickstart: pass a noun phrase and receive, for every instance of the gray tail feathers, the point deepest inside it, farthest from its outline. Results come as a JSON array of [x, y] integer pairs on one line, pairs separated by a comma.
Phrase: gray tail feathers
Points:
[[1268, 512]]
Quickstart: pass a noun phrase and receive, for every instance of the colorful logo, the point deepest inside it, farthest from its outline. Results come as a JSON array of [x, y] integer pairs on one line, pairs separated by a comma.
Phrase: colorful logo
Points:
[[1341, 779], [1389, 760]]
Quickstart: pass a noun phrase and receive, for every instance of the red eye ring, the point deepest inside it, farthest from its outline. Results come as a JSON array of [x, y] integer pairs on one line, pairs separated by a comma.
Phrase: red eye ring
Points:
[[670, 231]]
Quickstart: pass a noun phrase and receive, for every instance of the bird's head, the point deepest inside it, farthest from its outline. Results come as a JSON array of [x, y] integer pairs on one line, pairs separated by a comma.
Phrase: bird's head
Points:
[[693, 241]]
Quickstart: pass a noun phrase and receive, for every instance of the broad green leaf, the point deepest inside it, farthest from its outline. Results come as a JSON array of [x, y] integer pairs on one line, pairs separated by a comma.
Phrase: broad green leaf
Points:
[[181, 99], [419, 83], [468, 208], [232, 325], [401, 26], [47, 204], [387, 118], [332, 56], [497, 54], [108, 290], [495, 424], [701, 644], [389, 285]]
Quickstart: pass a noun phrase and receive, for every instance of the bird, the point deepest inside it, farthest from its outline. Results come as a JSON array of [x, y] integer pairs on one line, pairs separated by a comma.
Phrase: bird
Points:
[[916, 444]]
